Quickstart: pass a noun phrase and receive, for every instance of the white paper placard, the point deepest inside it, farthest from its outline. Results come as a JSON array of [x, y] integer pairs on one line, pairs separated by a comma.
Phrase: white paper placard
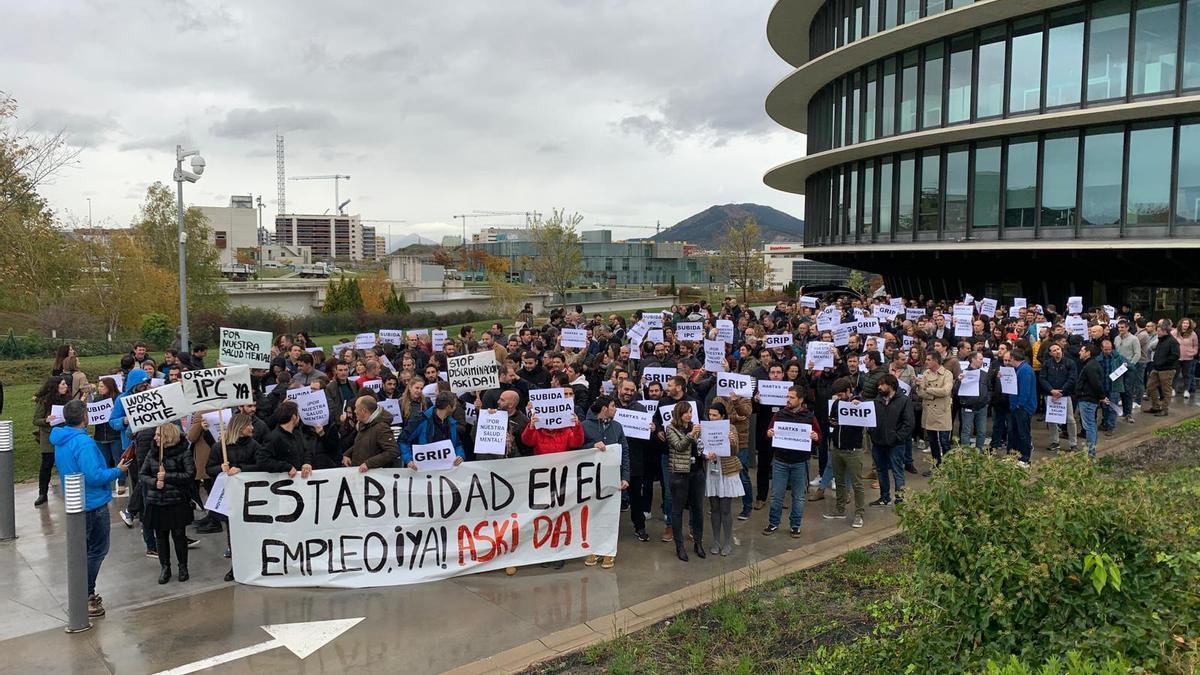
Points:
[[436, 456], [691, 331], [1116, 374], [667, 410], [635, 423], [808, 301], [778, 340], [1056, 411], [820, 354], [1075, 304], [1018, 303], [100, 410], [742, 385], [725, 331], [714, 356], [1008, 380], [773, 392], [439, 341], [246, 347], [574, 338], [364, 340], [1076, 325], [552, 409], [914, 313], [491, 433], [715, 436], [842, 333], [314, 409], [390, 336], [969, 384], [792, 436], [987, 307], [657, 374], [861, 415]]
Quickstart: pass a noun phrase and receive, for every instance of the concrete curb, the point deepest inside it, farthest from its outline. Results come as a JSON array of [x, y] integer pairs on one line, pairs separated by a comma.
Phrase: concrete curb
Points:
[[655, 610]]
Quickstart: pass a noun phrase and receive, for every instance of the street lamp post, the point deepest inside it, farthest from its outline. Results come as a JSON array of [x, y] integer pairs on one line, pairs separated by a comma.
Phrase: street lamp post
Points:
[[180, 176]]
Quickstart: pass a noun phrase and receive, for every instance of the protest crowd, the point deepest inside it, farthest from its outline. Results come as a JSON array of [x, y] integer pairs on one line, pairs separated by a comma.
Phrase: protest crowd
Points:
[[728, 410]]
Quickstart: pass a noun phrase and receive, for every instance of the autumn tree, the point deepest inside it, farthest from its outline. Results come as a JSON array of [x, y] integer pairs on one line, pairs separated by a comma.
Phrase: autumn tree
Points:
[[376, 287], [113, 277], [559, 260], [157, 231], [740, 257], [505, 296]]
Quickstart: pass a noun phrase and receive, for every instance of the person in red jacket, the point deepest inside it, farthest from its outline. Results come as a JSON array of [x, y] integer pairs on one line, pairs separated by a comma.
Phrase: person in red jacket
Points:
[[546, 441]]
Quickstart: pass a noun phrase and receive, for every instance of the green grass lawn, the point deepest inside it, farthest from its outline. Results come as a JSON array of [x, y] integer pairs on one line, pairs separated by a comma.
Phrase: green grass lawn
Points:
[[18, 407]]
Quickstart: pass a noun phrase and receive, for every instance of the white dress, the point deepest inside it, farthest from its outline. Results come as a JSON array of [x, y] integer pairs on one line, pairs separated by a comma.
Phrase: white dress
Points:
[[719, 485]]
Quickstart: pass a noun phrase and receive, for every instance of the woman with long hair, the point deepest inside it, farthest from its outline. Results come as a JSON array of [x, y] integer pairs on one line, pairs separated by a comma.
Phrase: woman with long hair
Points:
[[61, 355], [105, 436], [77, 378], [412, 402], [1189, 345], [167, 476], [54, 391], [685, 464], [242, 450]]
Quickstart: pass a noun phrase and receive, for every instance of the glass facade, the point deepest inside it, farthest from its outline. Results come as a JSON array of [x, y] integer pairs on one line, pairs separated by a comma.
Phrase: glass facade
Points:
[[841, 22], [1102, 52], [1138, 179]]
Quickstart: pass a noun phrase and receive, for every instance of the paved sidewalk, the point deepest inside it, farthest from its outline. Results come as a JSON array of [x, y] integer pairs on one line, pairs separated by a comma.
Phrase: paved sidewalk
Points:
[[422, 628]]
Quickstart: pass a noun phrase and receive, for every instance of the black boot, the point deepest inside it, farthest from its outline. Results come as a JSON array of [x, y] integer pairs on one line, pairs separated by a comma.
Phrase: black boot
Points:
[[229, 575], [700, 548], [183, 572], [164, 575], [679, 552], [41, 499]]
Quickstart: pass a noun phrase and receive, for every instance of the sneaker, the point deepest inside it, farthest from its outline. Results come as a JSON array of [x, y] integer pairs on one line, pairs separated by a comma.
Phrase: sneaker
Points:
[[744, 515], [1187, 394], [858, 522], [668, 534], [1054, 447], [227, 554], [814, 482], [833, 516], [641, 535], [881, 502], [1137, 406], [591, 560], [1129, 419], [151, 553], [909, 468], [95, 607], [898, 501], [770, 530], [648, 515], [193, 543], [608, 562], [1023, 464], [795, 533], [126, 518], [624, 508]]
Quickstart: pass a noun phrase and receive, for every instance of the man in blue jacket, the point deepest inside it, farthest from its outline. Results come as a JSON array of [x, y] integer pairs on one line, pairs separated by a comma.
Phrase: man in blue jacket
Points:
[[435, 424], [1022, 406], [76, 452]]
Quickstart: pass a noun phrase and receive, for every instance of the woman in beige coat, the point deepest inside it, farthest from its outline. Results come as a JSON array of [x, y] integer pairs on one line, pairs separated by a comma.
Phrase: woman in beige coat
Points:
[[934, 388]]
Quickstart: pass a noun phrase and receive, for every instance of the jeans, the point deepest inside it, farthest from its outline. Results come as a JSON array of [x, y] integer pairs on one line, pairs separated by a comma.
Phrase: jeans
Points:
[[939, 444], [1019, 433], [1187, 375], [747, 498], [688, 490], [721, 509], [1135, 381], [908, 458], [111, 452], [1087, 413], [889, 467], [848, 465], [667, 479], [1072, 430], [785, 476], [973, 423], [999, 427], [96, 525], [1109, 418]]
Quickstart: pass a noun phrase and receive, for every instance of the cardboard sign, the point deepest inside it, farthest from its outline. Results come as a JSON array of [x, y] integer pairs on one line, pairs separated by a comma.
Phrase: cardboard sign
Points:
[[667, 411], [314, 409], [861, 415], [1075, 304], [714, 356], [733, 383], [1056, 411], [574, 338], [244, 347], [1008, 380], [364, 341], [635, 423], [1116, 374], [473, 372], [725, 331], [868, 325], [659, 375], [914, 313], [216, 388], [491, 433], [820, 354], [439, 341], [773, 392], [389, 336], [809, 301], [714, 435], [551, 408], [968, 386], [100, 410], [692, 331], [792, 436], [436, 456], [153, 407], [775, 341]]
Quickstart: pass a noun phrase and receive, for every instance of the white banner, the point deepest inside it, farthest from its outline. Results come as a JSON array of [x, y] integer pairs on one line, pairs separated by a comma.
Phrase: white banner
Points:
[[473, 372], [551, 408], [345, 529], [1056, 411], [772, 392], [100, 410], [715, 436], [153, 407], [725, 331], [574, 338], [491, 433], [714, 356], [860, 415], [820, 355], [692, 331], [314, 409], [245, 347], [634, 423], [215, 388], [742, 385], [792, 436], [1008, 380], [778, 340]]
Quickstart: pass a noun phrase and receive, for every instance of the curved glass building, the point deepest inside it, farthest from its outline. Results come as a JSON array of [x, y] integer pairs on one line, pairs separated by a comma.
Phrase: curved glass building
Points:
[[1032, 148]]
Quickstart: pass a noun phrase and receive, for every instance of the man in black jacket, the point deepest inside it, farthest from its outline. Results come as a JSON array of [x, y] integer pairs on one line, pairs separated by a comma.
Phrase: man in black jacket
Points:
[[641, 473], [1056, 380], [846, 457], [1162, 370], [893, 428], [1090, 393]]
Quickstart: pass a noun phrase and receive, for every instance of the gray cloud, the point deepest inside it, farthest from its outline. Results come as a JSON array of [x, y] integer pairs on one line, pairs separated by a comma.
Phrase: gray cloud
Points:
[[82, 129], [164, 143], [251, 122]]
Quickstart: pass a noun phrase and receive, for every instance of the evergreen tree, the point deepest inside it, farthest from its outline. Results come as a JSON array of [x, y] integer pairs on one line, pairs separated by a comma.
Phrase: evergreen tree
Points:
[[352, 296], [333, 297]]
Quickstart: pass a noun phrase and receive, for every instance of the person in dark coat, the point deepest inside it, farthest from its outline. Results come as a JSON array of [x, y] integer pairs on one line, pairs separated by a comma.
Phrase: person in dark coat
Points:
[[54, 391], [286, 450], [242, 451], [166, 478]]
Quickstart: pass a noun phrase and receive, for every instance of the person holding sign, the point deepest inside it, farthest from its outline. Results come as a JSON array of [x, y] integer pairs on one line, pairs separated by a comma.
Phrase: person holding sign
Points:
[[601, 430], [723, 485], [973, 408], [286, 450], [239, 454], [642, 459], [789, 468], [740, 409], [374, 445], [1090, 393], [846, 458], [435, 424], [1114, 367], [108, 440], [1057, 379], [685, 463], [166, 478], [1022, 405], [55, 391], [894, 426]]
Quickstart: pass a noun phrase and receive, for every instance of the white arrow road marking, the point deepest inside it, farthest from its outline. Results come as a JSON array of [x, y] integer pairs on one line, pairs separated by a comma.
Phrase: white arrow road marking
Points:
[[301, 639]]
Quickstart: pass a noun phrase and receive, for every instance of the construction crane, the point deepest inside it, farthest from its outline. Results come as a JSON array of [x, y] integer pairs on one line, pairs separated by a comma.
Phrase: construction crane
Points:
[[654, 227], [488, 213], [336, 178]]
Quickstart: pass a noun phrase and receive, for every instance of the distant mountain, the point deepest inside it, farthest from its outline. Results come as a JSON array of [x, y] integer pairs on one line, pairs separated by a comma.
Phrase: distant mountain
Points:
[[396, 243], [705, 228]]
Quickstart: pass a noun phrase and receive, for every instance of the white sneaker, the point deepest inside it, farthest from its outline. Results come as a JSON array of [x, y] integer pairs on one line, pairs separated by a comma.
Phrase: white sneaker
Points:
[[126, 518], [858, 522], [1187, 394], [1137, 406], [833, 484], [814, 482], [1023, 465]]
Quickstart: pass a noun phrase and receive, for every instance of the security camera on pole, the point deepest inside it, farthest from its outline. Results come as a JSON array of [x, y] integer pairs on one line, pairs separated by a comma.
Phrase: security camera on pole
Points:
[[180, 176]]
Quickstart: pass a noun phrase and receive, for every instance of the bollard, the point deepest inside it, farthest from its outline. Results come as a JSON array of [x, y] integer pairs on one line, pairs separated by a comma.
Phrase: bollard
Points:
[[8, 509], [77, 596]]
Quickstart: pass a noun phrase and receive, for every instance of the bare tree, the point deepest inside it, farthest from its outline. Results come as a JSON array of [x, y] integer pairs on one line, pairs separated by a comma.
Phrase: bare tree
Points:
[[559, 259], [740, 257], [28, 160]]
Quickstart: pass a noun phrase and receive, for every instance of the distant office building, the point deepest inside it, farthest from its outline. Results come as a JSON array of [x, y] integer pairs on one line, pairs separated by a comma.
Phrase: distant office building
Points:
[[329, 237], [786, 262], [380, 246], [264, 236], [233, 230], [368, 242]]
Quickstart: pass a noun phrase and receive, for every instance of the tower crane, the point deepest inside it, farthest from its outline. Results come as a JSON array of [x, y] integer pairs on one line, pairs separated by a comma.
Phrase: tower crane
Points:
[[336, 178]]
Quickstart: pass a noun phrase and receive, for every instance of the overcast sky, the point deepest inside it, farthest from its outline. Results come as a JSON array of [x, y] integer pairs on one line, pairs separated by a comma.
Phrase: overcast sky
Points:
[[628, 111]]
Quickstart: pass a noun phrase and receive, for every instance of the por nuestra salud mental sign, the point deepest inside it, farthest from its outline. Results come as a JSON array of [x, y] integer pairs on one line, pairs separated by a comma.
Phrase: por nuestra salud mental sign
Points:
[[341, 528]]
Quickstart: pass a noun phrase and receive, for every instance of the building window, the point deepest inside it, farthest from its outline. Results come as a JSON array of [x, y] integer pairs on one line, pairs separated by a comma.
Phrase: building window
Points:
[[956, 188], [885, 197], [855, 109], [1108, 50], [1020, 203], [904, 210], [868, 191], [958, 107], [1064, 59], [1187, 195], [931, 112], [934, 7], [1060, 167], [1103, 163], [1155, 46], [888, 109], [1149, 189], [1191, 46], [908, 93], [891, 10], [991, 72], [985, 211], [931, 189], [1025, 88], [219, 239], [852, 204], [868, 127], [912, 10]]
